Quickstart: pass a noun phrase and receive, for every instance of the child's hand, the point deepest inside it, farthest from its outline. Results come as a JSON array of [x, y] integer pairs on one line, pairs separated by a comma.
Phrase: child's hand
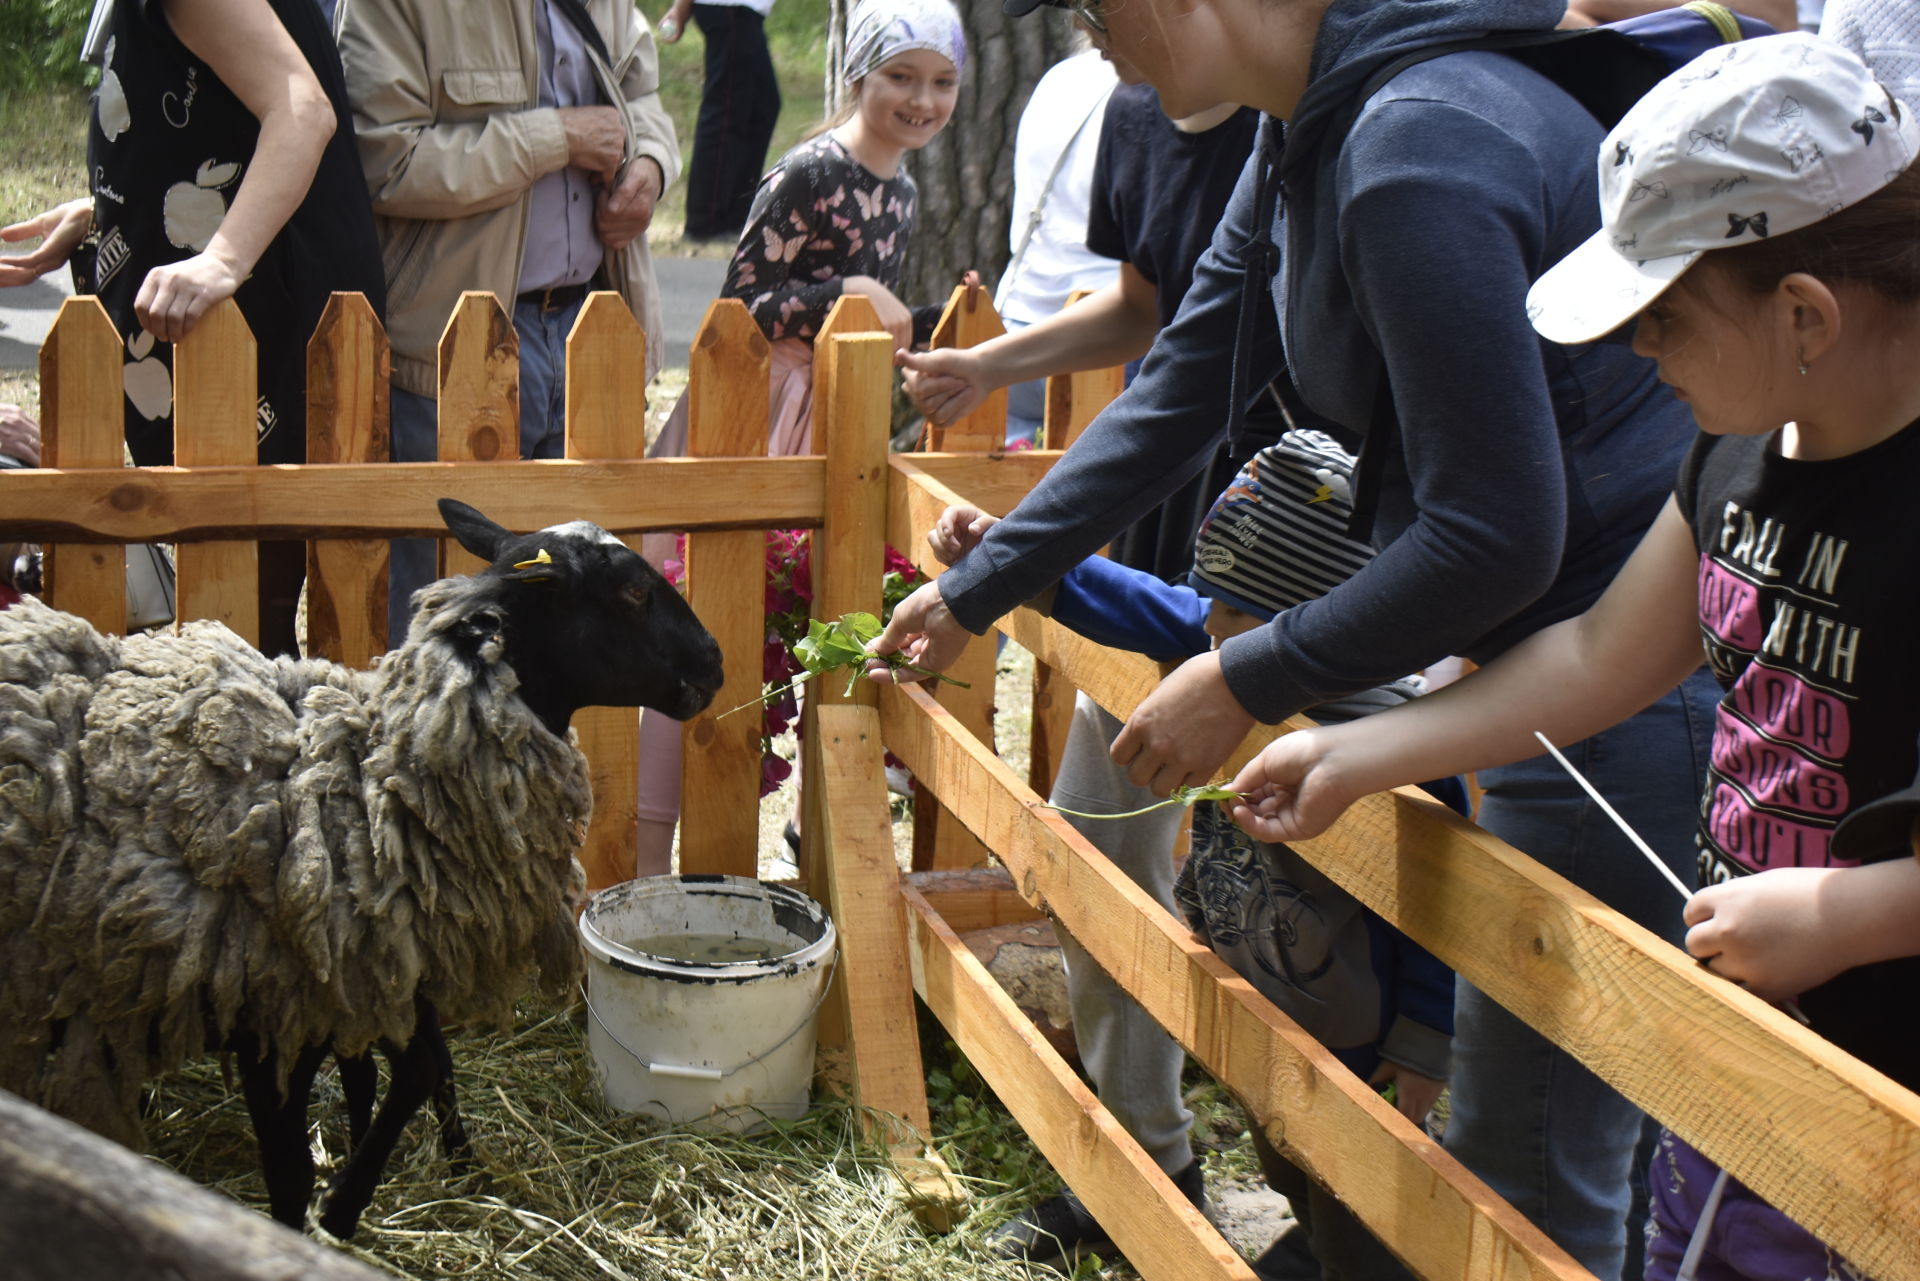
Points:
[[958, 531], [1416, 1094], [894, 316], [1292, 791], [1771, 932], [945, 384]]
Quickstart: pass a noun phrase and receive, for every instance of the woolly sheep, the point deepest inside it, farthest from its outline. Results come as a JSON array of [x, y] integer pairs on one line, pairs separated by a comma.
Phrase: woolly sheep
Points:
[[202, 848]]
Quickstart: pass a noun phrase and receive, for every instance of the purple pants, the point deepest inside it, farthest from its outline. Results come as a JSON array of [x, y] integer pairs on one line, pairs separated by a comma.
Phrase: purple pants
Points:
[[1749, 1239]]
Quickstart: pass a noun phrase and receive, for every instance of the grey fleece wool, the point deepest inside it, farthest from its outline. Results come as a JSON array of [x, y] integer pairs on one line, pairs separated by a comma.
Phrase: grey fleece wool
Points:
[[196, 840]]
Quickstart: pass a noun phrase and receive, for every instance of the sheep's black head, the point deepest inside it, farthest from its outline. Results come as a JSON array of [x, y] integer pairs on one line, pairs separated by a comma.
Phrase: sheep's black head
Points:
[[588, 623]]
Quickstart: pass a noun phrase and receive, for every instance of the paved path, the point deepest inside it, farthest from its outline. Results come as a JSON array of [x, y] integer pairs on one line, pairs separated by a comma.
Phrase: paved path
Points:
[[687, 285]]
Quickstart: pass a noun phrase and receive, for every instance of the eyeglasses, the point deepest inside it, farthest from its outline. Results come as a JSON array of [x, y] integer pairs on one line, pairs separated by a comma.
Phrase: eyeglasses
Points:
[[1089, 14]]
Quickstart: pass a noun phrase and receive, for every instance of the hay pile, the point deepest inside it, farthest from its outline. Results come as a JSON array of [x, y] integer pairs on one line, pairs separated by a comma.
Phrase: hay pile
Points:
[[562, 1189]]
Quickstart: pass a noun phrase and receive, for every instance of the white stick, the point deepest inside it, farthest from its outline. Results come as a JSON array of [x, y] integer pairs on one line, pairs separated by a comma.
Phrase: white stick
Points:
[[1614, 814], [1697, 1243], [1791, 1007]]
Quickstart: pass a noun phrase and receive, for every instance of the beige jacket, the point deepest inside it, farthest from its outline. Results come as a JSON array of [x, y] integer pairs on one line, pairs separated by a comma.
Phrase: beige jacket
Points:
[[452, 138]]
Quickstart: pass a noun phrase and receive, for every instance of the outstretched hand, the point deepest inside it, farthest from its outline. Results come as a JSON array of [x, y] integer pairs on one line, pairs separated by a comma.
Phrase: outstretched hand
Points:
[[60, 231], [1292, 792], [958, 531], [922, 629], [1182, 733], [945, 384]]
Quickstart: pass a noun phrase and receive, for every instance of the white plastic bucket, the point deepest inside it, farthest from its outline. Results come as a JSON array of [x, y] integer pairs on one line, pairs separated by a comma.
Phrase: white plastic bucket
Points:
[[721, 1043]]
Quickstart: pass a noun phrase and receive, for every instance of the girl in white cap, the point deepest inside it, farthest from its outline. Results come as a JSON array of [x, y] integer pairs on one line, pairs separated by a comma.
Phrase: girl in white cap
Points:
[[1759, 217]]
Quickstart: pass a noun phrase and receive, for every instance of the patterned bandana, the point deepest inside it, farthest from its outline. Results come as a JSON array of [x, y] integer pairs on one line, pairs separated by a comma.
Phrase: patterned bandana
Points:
[[881, 30]]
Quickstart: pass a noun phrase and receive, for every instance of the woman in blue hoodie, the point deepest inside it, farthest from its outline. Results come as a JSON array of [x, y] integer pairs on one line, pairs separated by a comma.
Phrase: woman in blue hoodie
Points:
[[1506, 478]]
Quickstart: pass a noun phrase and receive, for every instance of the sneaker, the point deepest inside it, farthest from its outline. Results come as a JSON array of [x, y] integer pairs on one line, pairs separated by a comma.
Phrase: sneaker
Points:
[[1289, 1258], [1058, 1230]]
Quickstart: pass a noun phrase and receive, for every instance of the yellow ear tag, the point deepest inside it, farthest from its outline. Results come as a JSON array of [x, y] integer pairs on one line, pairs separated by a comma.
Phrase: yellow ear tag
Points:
[[541, 559]]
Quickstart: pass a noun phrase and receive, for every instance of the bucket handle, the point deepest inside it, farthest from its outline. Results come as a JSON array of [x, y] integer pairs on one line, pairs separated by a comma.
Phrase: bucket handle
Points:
[[689, 1071]]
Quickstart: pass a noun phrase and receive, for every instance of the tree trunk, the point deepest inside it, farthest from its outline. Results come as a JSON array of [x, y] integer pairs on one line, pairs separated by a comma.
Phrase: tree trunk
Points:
[[965, 175]]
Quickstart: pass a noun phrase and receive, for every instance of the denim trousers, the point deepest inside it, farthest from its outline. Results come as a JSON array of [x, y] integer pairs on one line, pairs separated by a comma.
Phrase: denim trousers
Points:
[[1542, 1130], [416, 439]]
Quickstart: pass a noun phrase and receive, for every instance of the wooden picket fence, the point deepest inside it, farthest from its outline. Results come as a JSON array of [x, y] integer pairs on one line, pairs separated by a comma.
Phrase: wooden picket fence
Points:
[[1832, 1142]]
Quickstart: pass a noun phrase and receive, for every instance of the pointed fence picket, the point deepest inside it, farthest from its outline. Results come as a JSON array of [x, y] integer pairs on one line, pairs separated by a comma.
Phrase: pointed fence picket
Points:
[[720, 779], [348, 413]]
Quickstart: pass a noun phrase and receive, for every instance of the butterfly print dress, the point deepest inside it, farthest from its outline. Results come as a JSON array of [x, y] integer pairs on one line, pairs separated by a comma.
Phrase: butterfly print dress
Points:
[[819, 217]]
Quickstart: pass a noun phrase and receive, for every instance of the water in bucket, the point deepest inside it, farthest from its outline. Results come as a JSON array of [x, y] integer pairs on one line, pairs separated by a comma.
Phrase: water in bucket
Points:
[[701, 997]]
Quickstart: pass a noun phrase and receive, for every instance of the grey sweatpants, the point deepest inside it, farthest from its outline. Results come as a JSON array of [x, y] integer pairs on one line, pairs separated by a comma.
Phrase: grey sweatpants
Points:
[[1135, 1065]]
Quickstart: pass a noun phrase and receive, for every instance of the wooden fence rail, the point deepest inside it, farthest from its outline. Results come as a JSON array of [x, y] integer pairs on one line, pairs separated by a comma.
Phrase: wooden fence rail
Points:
[[1830, 1141]]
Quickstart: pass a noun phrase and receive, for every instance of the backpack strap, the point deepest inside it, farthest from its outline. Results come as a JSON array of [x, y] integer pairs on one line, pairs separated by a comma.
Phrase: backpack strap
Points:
[[1261, 260]]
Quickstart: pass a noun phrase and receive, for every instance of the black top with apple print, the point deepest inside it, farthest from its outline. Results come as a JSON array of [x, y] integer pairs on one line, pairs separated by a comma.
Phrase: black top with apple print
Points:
[[167, 146]]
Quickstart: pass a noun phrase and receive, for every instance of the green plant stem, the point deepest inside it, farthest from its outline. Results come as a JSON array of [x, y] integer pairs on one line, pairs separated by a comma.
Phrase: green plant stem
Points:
[[1181, 796], [1145, 809], [804, 677]]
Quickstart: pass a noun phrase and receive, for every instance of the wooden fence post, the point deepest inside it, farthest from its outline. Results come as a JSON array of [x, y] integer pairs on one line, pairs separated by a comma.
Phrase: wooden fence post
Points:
[[349, 368], [83, 424], [847, 559], [726, 585], [215, 397], [848, 839], [606, 417], [479, 401]]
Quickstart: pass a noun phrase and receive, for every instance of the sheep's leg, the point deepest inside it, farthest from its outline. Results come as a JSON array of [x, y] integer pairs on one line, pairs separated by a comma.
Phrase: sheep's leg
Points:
[[415, 1074], [280, 1125], [360, 1084], [446, 1106]]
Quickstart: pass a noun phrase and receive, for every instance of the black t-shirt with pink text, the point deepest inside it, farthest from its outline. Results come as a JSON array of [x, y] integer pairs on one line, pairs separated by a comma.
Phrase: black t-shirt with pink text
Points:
[[1809, 617]]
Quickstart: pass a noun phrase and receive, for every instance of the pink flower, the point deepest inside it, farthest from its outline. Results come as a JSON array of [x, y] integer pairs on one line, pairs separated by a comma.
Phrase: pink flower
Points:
[[898, 564], [774, 770]]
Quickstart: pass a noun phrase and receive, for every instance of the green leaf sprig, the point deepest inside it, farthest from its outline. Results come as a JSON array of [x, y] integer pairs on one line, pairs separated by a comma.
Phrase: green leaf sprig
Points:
[[1179, 796], [842, 643]]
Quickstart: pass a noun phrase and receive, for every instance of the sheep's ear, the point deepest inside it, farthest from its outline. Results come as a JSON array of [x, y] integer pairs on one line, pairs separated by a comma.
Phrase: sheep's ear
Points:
[[476, 533]]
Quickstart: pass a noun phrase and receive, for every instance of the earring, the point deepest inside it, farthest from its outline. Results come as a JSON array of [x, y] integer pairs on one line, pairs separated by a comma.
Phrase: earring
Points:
[[1801, 356]]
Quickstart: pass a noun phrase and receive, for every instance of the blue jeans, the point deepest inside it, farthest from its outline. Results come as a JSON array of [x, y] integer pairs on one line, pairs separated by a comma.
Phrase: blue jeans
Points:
[[416, 439], [1542, 1130]]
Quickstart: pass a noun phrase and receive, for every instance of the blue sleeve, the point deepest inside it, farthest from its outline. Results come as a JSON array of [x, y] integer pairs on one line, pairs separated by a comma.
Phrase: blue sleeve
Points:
[[1141, 449], [1130, 609]]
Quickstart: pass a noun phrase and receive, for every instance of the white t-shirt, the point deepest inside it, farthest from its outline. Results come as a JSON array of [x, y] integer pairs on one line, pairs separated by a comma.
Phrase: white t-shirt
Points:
[[1064, 113]]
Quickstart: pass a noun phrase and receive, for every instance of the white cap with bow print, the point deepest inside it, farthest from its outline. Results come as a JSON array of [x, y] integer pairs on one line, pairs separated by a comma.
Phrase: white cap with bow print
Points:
[[1747, 141]]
